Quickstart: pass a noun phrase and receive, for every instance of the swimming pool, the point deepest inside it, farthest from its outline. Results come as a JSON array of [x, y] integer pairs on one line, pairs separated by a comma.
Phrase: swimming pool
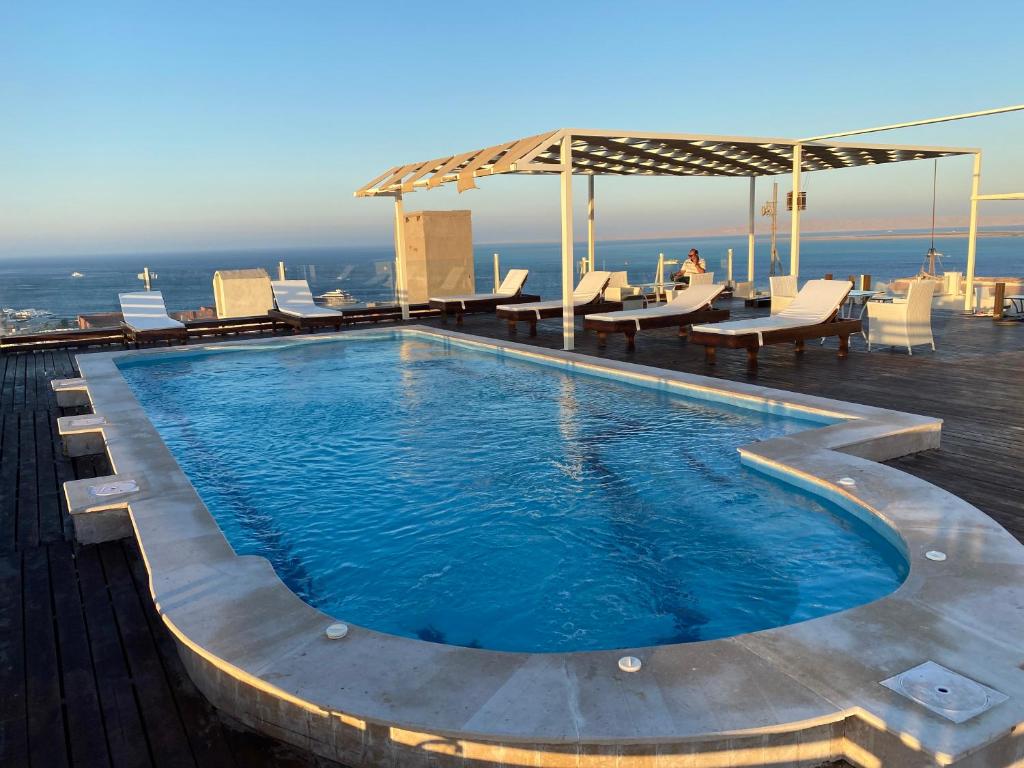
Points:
[[459, 496]]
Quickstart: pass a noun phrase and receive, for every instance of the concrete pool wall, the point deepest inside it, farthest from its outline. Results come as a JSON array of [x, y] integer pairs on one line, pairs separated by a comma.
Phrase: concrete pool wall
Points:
[[798, 695]]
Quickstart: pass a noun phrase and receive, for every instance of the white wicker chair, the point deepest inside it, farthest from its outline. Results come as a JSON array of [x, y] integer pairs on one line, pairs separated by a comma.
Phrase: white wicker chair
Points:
[[904, 322], [784, 290]]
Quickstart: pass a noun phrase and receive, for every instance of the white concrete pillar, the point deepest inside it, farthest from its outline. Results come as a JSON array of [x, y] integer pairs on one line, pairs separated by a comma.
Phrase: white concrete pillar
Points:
[[401, 268], [568, 316], [794, 231], [750, 235], [590, 223], [497, 272], [972, 235]]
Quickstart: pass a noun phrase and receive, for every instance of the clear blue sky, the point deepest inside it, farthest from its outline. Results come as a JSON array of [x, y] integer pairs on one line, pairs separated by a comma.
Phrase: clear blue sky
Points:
[[134, 126]]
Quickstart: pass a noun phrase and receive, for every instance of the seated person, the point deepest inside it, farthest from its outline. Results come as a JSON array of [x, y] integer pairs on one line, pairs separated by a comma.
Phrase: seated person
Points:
[[694, 265]]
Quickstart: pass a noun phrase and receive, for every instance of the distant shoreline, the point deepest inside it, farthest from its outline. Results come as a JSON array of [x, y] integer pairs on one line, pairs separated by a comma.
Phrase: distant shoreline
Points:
[[908, 235]]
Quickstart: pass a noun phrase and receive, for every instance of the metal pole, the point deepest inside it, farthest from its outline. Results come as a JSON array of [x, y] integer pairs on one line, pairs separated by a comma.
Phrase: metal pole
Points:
[[750, 237], [145, 278], [401, 268], [972, 235], [590, 223], [774, 255], [794, 234], [729, 271], [497, 272], [280, 271], [568, 315], [929, 121]]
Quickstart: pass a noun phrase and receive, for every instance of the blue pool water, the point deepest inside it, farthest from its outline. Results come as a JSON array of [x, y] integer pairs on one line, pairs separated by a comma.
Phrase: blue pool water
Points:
[[466, 498]]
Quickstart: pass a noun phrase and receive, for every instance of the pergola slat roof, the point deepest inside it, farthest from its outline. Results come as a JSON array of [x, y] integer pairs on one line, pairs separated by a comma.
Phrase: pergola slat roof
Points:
[[645, 154]]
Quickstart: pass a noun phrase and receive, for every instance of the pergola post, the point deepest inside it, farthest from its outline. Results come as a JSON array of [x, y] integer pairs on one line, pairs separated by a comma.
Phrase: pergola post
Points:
[[568, 315], [401, 268], [794, 231], [750, 233], [972, 235], [590, 223]]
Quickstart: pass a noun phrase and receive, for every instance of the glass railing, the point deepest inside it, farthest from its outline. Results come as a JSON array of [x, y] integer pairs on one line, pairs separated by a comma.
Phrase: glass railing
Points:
[[67, 294]]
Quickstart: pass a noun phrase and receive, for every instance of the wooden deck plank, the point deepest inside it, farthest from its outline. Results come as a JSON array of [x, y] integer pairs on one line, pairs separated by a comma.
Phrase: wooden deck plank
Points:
[[13, 719], [49, 494], [43, 695], [10, 467], [126, 739], [168, 743], [206, 733], [87, 739], [27, 524]]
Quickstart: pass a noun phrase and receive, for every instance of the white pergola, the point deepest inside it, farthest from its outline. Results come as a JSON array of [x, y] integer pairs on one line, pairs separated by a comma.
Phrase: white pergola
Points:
[[575, 151]]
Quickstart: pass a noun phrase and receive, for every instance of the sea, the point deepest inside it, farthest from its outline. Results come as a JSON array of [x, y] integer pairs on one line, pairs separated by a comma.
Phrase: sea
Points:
[[367, 272]]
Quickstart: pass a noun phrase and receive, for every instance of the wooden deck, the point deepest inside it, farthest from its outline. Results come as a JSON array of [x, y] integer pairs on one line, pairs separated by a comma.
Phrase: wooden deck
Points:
[[88, 674], [90, 677]]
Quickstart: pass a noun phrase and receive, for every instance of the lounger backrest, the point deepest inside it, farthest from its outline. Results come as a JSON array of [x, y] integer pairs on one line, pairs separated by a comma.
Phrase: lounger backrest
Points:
[[702, 278], [293, 294], [817, 301], [513, 283], [591, 285], [145, 310], [783, 285], [695, 297]]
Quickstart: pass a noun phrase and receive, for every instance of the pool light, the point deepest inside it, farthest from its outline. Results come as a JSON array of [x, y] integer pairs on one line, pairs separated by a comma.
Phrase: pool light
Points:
[[630, 664]]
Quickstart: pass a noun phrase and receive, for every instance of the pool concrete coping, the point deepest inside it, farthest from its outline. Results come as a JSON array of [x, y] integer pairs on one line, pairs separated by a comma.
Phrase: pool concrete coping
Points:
[[251, 640]]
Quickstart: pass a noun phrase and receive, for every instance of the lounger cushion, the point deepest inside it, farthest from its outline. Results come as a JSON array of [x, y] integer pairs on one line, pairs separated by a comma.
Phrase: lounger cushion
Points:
[[693, 298], [590, 286], [816, 302], [588, 289], [511, 286], [145, 311], [513, 283], [293, 297]]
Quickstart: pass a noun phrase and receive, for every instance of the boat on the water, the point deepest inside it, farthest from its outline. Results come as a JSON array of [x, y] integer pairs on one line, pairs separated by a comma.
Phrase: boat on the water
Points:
[[77, 274], [338, 296], [24, 315]]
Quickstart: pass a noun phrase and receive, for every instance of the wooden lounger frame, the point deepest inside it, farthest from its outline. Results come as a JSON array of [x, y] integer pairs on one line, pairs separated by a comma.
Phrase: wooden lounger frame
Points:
[[311, 324], [142, 336], [526, 315], [748, 341], [456, 308], [628, 327]]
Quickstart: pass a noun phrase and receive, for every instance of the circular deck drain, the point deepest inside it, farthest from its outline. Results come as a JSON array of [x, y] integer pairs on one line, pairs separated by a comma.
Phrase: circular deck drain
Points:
[[630, 664], [849, 482], [934, 554]]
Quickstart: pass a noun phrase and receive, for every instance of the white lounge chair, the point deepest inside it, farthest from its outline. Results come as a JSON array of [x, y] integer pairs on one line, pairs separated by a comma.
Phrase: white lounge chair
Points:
[[783, 290], [684, 309], [296, 308], [145, 318], [903, 322], [812, 314], [586, 298], [509, 292], [702, 278]]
